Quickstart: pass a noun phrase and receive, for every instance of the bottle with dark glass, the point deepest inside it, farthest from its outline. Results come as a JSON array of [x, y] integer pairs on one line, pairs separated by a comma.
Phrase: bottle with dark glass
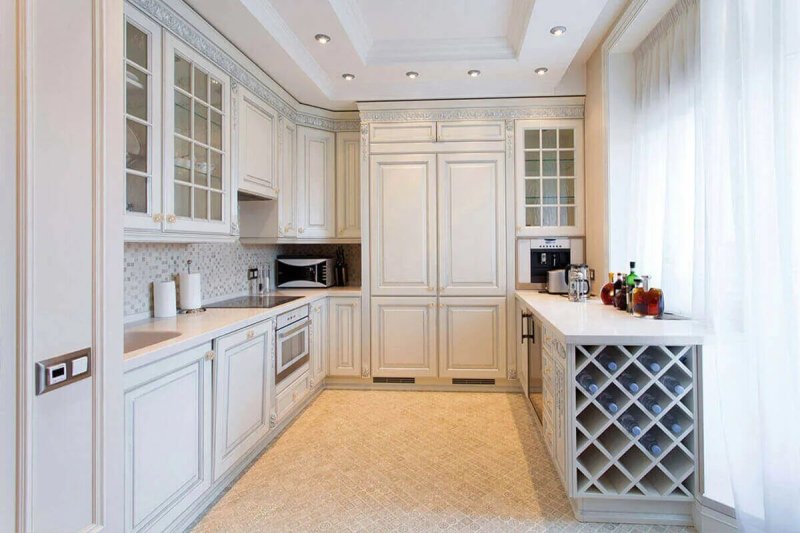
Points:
[[629, 382], [621, 298], [619, 283], [671, 421], [630, 423], [639, 297], [607, 293], [650, 442], [587, 382], [630, 284], [608, 402], [651, 403], [608, 363]]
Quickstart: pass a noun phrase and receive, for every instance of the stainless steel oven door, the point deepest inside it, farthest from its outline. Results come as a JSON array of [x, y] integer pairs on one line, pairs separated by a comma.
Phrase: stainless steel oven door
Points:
[[291, 348]]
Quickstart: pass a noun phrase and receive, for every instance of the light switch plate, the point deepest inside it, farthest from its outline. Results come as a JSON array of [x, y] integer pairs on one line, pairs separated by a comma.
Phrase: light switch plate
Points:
[[63, 370]]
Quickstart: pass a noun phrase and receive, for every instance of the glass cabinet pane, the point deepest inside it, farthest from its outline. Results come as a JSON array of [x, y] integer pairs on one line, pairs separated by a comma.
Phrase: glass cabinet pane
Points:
[[566, 138], [136, 146], [200, 166], [566, 161], [183, 206], [136, 188], [532, 163], [549, 216], [533, 216], [216, 94], [548, 138], [567, 216], [136, 92], [136, 45], [183, 74], [200, 84], [549, 159], [200, 123], [183, 120], [216, 205], [533, 196], [215, 168], [183, 160], [200, 203], [550, 191], [566, 190], [531, 139], [216, 130]]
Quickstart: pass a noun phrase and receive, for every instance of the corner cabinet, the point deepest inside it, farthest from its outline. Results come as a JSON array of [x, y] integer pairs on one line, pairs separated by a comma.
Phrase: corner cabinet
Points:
[[316, 212], [549, 178], [348, 184]]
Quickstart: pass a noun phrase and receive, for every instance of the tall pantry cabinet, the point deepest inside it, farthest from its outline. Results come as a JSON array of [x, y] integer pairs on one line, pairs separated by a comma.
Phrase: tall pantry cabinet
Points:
[[437, 251]]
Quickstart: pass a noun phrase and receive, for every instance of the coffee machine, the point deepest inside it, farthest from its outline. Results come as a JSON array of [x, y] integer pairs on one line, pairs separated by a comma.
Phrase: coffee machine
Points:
[[536, 258]]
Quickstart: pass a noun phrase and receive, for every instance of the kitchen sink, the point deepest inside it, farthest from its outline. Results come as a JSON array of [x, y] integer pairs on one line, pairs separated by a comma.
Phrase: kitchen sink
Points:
[[136, 340]]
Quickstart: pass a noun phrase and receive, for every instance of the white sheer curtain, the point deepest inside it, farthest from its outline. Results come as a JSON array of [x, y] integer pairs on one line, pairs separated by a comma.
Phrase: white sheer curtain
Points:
[[715, 197]]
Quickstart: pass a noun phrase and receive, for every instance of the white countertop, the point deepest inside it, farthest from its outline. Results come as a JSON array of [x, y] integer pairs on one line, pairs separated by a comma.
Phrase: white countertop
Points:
[[592, 322], [195, 329]]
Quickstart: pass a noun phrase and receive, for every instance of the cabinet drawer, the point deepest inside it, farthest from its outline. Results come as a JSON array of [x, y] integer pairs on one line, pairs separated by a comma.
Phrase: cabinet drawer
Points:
[[402, 132], [471, 130], [292, 395]]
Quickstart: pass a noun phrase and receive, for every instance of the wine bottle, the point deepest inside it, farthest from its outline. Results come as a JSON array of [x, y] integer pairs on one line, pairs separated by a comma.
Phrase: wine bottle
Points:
[[650, 363], [630, 283], [619, 283], [587, 382], [630, 423], [651, 444], [651, 403], [608, 402], [672, 384], [671, 421], [607, 362], [629, 382]]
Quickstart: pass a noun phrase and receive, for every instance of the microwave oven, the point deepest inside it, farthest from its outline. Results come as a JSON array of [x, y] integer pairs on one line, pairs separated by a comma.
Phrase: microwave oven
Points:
[[301, 271]]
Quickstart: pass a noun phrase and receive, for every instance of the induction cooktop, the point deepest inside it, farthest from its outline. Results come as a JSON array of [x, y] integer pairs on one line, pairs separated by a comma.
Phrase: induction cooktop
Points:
[[254, 302]]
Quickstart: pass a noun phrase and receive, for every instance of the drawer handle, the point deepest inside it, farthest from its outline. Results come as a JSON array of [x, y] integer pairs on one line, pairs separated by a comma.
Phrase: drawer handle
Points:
[[171, 219], [158, 218]]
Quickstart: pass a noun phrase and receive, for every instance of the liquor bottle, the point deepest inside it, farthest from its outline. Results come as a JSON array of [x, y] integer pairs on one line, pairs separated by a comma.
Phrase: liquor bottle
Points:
[[630, 423], [607, 362], [629, 382], [672, 384], [650, 402], [621, 298], [650, 363], [587, 382], [672, 423], [630, 284], [619, 283], [608, 402], [639, 298], [651, 444], [607, 293]]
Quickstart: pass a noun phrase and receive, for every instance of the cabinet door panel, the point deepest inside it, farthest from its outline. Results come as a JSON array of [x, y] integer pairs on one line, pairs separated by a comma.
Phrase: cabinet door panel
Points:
[[472, 224], [344, 336], [316, 183], [257, 146], [403, 225], [348, 184], [404, 337], [242, 399], [319, 341], [167, 439], [393, 132], [287, 190], [471, 130], [472, 337]]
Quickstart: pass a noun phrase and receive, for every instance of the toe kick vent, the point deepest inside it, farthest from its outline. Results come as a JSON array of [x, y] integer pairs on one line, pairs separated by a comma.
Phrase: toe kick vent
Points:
[[467, 381], [394, 380]]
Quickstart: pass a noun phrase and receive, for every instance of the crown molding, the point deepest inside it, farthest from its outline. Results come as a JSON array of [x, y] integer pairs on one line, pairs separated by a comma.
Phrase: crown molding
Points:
[[187, 32], [511, 109]]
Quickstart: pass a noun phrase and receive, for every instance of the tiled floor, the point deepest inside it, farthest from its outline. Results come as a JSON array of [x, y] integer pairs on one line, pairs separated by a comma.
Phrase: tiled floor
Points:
[[404, 461]]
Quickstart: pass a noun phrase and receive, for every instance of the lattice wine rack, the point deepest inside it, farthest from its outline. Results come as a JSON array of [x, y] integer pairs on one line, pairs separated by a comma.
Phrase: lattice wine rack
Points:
[[646, 446]]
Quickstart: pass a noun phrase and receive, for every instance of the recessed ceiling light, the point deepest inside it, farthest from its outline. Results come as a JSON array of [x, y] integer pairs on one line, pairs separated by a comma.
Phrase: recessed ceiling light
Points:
[[349, 77], [541, 71], [558, 30], [413, 75], [321, 38], [474, 73]]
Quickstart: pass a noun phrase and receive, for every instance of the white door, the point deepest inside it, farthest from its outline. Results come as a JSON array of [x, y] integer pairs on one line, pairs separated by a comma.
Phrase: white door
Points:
[[287, 189], [348, 184], [316, 189], [472, 337], [403, 225], [471, 197], [242, 393], [256, 145], [403, 337], [344, 336], [319, 341], [167, 438]]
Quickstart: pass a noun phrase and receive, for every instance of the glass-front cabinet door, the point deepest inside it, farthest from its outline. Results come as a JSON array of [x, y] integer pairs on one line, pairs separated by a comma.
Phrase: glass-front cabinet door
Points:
[[197, 186], [142, 64], [549, 177]]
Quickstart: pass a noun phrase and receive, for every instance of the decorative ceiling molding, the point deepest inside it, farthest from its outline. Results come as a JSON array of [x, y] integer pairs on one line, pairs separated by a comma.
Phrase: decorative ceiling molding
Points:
[[352, 20], [269, 18], [521, 12], [419, 50], [186, 32], [487, 113]]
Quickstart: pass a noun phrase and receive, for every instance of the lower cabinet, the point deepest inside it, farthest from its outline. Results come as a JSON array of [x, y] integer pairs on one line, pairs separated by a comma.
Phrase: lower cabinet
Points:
[[344, 336], [472, 337], [290, 394], [167, 438], [403, 336], [242, 377], [318, 345], [554, 397]]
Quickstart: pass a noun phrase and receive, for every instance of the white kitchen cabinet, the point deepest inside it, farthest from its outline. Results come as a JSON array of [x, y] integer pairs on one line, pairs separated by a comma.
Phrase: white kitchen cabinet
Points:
[[256, 144], [403, 337], [472, 228], [403, 225], [394, 132], [168, 437], [472, 337], [348, 184], [287, 190], [318, 345], [471, 130], [242, 378], [549, 183], [316, 187], [344, 336], [142, 122], [293, 393], [554, 398]]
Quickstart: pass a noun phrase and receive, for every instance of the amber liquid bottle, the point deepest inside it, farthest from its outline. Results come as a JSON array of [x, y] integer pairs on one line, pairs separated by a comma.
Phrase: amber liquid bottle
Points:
[[607, 293]]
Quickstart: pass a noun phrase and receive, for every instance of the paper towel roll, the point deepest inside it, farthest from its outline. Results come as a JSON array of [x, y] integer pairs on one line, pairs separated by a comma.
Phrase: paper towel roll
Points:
[[190, 290], [164, 299]]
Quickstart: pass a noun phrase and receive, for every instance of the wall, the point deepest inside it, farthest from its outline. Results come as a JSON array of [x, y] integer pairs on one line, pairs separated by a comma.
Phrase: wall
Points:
[[223, 267], [596, 188]]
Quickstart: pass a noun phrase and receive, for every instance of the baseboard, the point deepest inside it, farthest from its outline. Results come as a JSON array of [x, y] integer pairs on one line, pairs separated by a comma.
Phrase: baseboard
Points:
[[422, 385], [707, 520]]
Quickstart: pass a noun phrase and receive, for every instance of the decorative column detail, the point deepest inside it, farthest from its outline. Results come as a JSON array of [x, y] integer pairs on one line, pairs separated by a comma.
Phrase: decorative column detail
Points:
[[365, 372], [512, 374], [364, 143]]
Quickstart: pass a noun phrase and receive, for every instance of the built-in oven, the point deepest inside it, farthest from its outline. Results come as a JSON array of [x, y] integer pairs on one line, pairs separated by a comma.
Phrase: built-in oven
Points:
[[291, 342]]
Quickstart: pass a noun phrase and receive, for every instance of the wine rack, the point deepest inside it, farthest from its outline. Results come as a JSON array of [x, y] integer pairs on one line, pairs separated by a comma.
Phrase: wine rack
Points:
[[613, 461]]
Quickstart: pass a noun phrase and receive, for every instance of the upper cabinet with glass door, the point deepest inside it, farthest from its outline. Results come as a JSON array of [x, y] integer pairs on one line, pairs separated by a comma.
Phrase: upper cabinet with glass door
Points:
[[549, 178], [142, 63]]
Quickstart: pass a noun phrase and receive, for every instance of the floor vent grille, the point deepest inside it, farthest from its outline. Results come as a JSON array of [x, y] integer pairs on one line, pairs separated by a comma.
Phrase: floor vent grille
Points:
[[394, 380], [466, 381]]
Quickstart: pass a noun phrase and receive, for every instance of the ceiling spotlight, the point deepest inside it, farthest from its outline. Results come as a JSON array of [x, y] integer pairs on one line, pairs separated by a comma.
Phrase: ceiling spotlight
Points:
[[474, 73], [541, 71], [413, 75], [349, 77], [321, 38], [558, 30]]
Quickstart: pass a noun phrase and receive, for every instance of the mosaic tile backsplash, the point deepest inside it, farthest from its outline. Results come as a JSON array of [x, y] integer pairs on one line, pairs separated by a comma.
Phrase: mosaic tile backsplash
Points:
[[223, 267]]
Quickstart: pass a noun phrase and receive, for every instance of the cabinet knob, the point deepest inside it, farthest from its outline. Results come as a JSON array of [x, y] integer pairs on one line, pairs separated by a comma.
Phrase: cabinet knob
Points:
[[210, 355], [277, 190], [441, 306], [171, 218], [251, 334], [158, 218], [300, 229]]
